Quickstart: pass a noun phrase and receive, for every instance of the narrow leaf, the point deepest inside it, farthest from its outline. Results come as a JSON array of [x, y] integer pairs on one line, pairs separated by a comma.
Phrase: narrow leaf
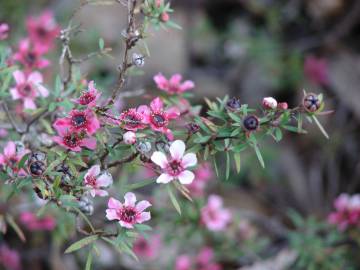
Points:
[[237, 162], [320, 127], [16, 228], [89, 261], [81, 243], [227, 175], [173, 199]]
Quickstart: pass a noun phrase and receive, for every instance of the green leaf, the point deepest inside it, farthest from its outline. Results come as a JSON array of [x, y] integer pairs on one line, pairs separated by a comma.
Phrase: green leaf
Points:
[[227, 175], [320, 126], [143, 227], [10, 220], [89, 261], [141, 184], [278, 134], [81, 243], [173, 199], [68, 201], [101, 44], [22, 161], [121, 246], [237, 162], [85, 218], [216, 167]]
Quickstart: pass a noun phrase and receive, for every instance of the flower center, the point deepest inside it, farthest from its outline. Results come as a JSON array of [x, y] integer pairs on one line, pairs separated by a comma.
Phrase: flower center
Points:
[[132, 120], [86, 98], [79, 120], [159, 119], [91, 180], [72, 140], [11, 161], [25, 90], [174, 168], [41, 31], [128, 214], [30, 58], [251, 123]]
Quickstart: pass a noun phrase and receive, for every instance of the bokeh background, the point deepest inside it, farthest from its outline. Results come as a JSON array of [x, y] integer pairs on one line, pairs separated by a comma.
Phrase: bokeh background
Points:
[[248, 49]]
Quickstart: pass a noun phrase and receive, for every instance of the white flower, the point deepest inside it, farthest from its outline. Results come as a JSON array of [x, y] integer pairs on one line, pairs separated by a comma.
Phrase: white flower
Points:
[[269, 103], [175, 167], [129, 137]]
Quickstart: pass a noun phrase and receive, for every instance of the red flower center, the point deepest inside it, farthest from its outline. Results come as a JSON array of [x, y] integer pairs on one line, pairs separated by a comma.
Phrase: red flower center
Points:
[[158, 119], [86, 98], [128, 214], [79, 120], [132, 119], [30, 58], [41, 32], [25, 90], [91, 180], [174, 167], [72, 140]]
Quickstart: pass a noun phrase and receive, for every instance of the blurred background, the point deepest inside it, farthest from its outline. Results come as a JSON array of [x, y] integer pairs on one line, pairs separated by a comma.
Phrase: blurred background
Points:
[[249, 49]]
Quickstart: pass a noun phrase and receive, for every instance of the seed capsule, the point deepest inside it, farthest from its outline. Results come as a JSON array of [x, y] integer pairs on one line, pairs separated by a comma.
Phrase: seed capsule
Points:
[[251, 123], [311, 102], [233, 104], [37, 168]]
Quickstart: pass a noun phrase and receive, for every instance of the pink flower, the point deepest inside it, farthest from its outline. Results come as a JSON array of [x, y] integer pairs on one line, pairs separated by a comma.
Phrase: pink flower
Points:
[[34, 223], [30, 56], [173, 85], [183, 262], [147, 248], [11, 156], [158, 118], [214, 216], [4, 31], [282, 106], [316, 70], [133, 119], [43, 30], [164, 17], [78, 121], [72, 140], [347, 212], [9, 258], [28, 88], [175, 167], [128, 213], [129, 137], [202, 176], [269, 103], [97, 181], [89, 97]]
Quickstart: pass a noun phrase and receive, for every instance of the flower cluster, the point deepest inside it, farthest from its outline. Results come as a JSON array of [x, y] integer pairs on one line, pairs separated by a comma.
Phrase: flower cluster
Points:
[[203, 261]]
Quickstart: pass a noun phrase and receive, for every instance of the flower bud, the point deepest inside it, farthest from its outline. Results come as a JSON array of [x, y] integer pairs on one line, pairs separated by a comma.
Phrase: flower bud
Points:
[[37, 168], [138, 60], [282, 106], [269, 103], [143, 147], [233, 104], [86, 206], [193, 128], [129, 137], [311, 103], [164, 17], [158, 3], [251, 123]]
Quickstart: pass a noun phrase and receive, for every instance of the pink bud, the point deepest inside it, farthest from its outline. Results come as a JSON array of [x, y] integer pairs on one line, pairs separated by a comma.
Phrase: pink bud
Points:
[[129, 137], [283, 106], [269, 103], [4, 31], [164, 17], [158, 3]]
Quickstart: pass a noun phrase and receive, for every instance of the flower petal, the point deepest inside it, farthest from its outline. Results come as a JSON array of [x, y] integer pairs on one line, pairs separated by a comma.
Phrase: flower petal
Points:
[[93, 171], [144, 216], [156, 104], [35, 77], [29, 104], [111, 214], [126, 224], [104, 180], [15, 94], [130, 199], [189, 160], [142, 205], [114, 204], [164, 178], [159, 159], [89, 143], [19, 77], [177, 149], [186, 177], [10, 149]]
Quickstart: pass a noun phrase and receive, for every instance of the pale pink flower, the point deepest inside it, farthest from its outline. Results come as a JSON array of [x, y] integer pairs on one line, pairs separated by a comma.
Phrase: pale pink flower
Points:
[[9, 258], [147, 248], [129, 137], [28, 88], [129, 213], [97, 181], [43, 30], [158, 117], [174, 84], [316, 70], [89, 97], [30, 56], [72, 140], [78, 121], [4, 31], [203, 174], [183, 262], [347, 212], [175, 167], [214, 216], [3, 133], [269, 103], [11, 156], [35, 223]]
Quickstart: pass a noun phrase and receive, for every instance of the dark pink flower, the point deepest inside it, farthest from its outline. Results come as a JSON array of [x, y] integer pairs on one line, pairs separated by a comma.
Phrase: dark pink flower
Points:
[[9, 258], [78, 121], [43, 30], [158, 118], [27, 88], [147, 248], [129, 213], [34, 223], [72, 140], [11, 156], [133, 119], [176, 166], [214, 215], [89, 97], [174, 84], [203, 261], [30, 56], [4, 31], [97, 181], [316, 70], [347, 212]]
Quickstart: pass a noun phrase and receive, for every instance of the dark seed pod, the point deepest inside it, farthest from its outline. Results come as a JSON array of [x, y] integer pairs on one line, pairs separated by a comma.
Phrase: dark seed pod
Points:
[[251, 123], [233, 104], [37, 156], [37, 168], [311, 102], [193, 128], [86, 205]]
